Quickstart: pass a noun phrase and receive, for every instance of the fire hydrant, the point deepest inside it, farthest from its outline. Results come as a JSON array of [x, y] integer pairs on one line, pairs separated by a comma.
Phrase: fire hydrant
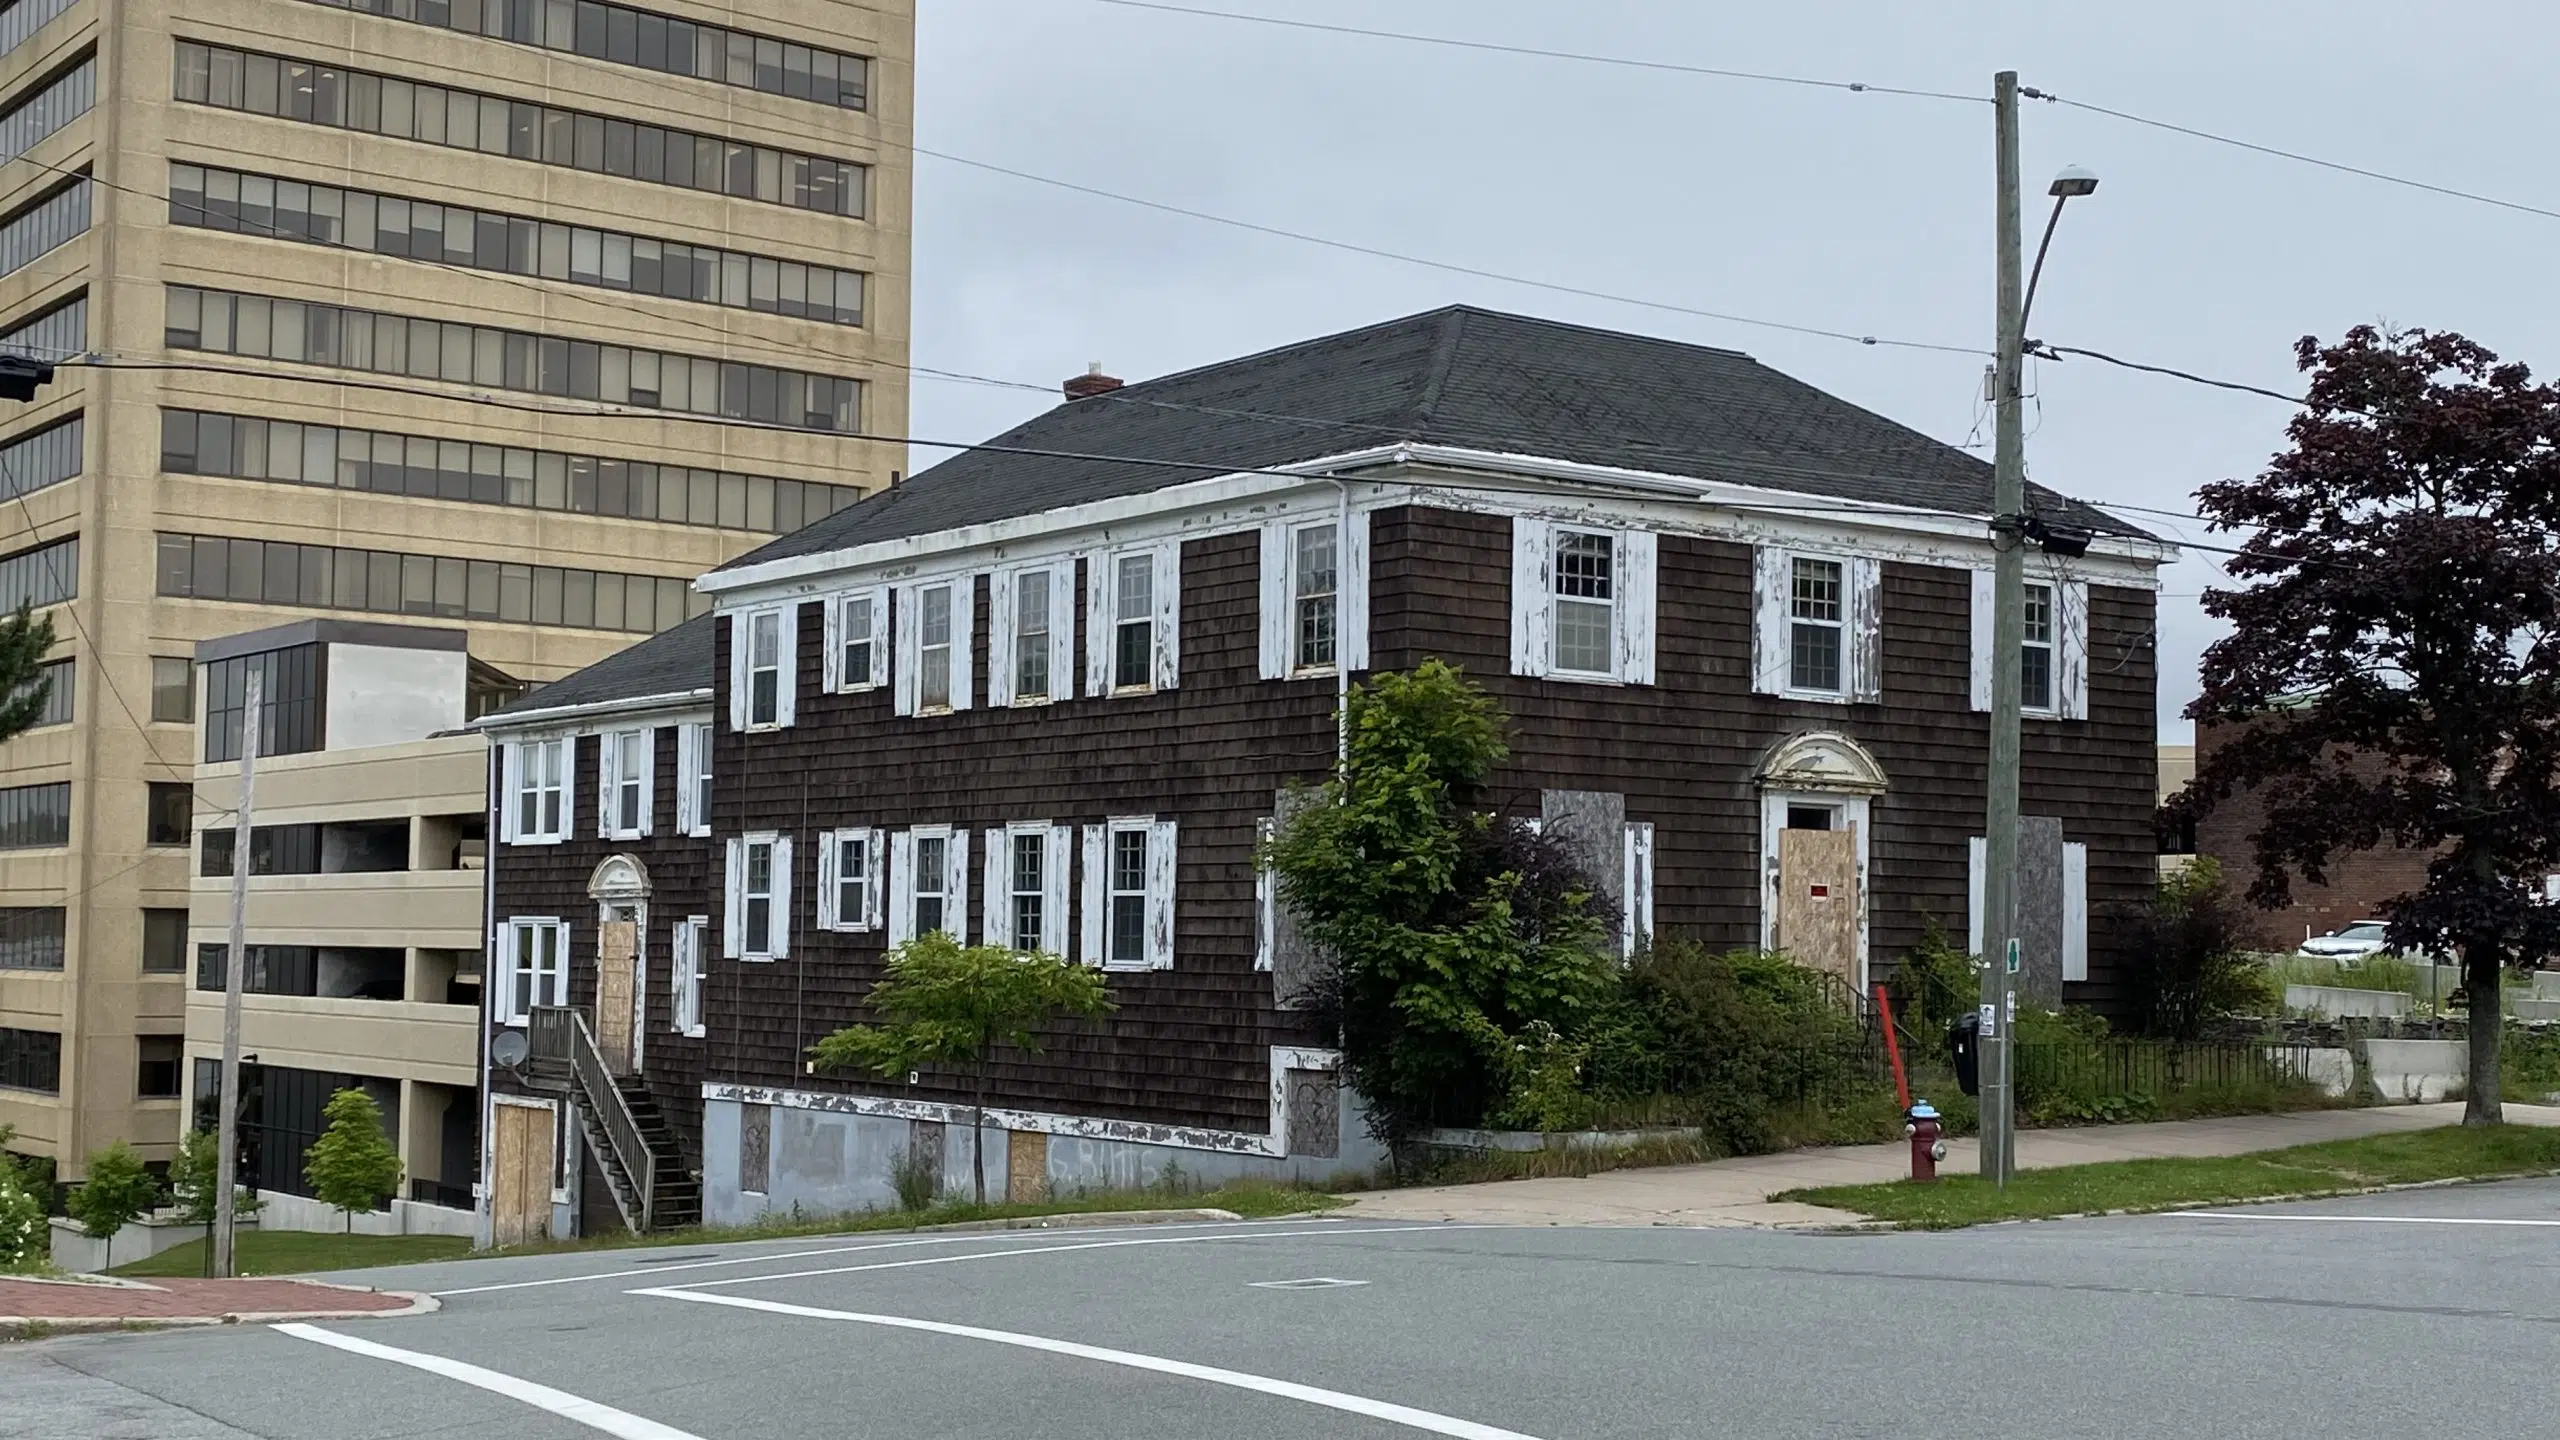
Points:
[[1928, 1147]]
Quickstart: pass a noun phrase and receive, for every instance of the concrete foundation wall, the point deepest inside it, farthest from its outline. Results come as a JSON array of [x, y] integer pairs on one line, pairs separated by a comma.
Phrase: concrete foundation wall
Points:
[[281, 1211]]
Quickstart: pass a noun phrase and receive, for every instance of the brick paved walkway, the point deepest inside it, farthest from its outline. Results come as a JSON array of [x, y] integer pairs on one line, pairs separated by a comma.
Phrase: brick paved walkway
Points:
[[167, 1300]]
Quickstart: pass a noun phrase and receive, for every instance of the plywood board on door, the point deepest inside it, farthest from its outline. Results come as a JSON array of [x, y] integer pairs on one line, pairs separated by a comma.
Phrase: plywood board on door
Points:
[[1818, 900]]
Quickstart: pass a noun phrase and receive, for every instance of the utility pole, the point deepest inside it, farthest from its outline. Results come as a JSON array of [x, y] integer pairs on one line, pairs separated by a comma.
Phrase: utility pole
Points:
[[2008, 635], [226, 1173]]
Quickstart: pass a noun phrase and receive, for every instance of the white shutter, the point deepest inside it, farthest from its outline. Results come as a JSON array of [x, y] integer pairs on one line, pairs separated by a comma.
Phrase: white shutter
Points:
[[2075, 911], [1169, 615], [875, 886], [502, 1000], [964, 642], [1062, 630], [1160, 877], [1004, 606], [1866, 628], [1056, 860], [908, 665], [648, 779], [1976, 860], [1638, 924], [687, 767], [680, 978], [1097, 895], [1266, 898], [997, 901], [1097, 624], [733, 899], [738, 645], [1532, 595], [1275, 600], [1981, 640], [788, 682], [1351, 587], [831, 644], [568, 787], [2071, 648], [955, 884], [902, 884], [782, 898], [510, 789], [608, 795], [1772, 577], [830, 850], [1637, 550]]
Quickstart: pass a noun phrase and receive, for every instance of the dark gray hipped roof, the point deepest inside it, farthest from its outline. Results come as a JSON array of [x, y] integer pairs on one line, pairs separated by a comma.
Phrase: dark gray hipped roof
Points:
[[672, 664], [1463, 377]]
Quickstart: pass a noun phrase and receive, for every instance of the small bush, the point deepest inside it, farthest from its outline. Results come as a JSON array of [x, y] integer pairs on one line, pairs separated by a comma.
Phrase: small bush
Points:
[[2189, 963], [1934, 985], [917, 1178], [25, 1239], [2529, 1065]]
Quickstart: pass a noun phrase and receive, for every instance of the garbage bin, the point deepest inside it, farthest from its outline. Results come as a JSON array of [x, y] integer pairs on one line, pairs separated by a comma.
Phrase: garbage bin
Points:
[[1965, 1040]]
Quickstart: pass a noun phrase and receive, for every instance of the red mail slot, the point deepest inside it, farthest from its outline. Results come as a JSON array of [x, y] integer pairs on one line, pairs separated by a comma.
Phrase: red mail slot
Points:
[[1821, 892]]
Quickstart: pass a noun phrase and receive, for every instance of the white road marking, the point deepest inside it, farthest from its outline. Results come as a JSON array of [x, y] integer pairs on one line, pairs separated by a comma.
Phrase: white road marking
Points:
[[1406, 1415], [793, 1255], [1312, 1282], [595, 1415], [2364, 1219], [1060, 1249]]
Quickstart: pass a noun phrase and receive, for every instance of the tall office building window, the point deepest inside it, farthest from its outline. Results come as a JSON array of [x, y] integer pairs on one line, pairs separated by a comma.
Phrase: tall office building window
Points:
[[346, 338], [45, 575], [288, 702], [31, 1060], [35, 816], [57, 678], [64, 99], [20, 22], [31, 938], [49, 456], [57, 334], [44, 225], [322, 577]]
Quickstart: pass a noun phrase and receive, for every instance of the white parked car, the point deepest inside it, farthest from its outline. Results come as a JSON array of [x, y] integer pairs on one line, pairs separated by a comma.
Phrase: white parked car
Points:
[[2351, 942]]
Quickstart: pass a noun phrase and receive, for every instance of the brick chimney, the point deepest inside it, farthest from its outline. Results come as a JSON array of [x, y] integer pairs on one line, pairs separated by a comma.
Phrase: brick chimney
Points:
[[1091, 383]]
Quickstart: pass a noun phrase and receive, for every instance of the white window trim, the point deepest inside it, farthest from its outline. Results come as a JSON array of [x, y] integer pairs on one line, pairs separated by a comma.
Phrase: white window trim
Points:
[[514, 774], [2075, 905], [1636, 928], [836, 639], [693, 756], [512, 962], [734, 920], [1634, 556], [2070, 647], [908, 635], [685, 975], [1266, 896], [610, 757], [902, 881], [741, 672], [1861, 624], [995, 921], [866, 916], [1279, 596], [1856, 813], [1163, 857], [1004, 612], [1102, 620]]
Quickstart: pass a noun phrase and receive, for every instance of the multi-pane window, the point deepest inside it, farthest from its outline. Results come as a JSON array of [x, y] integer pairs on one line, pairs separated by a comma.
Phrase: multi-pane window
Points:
[[764, 668], [856, 631], [624, 35], [856, 874], [495, 125], [31, 1060], [1314, 581], [627, 799], [155, 1072], [173, 689], [322, 577], [346, 338], [537, 966], [1028, 872], [31, 937], [273, 850], [933, 884], [44, 226], [41, 458], [684, 1003], [1134, 636], [1585, 602], [1817, 625], [35, 816], [286, 452], [171, 808], [58, 679], [1030, 635], [541, 783], [45, 575], [62, 100], [289, 703], [2035, 657], [20, 22], [933, 647], [164, 942], [57, 334], [756, 891], [700, 779], [1126, 941], [231, 200]]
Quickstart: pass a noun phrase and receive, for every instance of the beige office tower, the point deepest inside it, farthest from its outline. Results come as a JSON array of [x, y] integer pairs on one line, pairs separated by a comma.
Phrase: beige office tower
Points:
[[512, 315]]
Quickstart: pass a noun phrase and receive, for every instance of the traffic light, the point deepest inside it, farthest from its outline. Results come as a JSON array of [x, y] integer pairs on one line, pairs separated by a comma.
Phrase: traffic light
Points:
[[21, 377]]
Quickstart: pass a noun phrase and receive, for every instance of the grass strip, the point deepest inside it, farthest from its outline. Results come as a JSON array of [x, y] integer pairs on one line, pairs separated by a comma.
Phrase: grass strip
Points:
[[300, 1252], [2332, 1167]]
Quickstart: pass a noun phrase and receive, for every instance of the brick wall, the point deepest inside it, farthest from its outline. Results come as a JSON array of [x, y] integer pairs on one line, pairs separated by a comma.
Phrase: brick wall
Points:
[[2358, 883]]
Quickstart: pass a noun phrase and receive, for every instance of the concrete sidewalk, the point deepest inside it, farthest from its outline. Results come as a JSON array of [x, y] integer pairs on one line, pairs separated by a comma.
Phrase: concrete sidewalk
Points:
[[97, 1303], [1736, 1192]]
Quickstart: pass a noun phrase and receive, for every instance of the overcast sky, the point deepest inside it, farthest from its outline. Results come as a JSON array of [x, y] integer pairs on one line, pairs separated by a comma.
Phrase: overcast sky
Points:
[[1859, 212]]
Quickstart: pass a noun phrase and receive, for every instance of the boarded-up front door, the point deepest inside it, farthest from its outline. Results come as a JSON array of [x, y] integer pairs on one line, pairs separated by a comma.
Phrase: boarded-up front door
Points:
[[520, 1190], [616, 948], [1818, 900]]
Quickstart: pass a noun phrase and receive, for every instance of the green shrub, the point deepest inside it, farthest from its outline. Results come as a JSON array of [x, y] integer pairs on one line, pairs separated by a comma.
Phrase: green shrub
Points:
[[1934, 985], [25, 1239], [917, 1178], [2189, 965], [2529, 1065]]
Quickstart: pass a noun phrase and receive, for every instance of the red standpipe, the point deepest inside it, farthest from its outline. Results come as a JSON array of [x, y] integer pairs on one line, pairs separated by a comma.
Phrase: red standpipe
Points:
[[1893, 1049]]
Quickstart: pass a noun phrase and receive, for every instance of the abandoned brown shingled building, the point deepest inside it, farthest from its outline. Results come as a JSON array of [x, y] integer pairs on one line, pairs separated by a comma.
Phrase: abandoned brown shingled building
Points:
[[1049, 692]]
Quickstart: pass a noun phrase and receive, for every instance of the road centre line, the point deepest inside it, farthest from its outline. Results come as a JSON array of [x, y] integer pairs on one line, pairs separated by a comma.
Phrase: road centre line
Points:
[[2364, 1219], [595, 1415], [1060, 1249], [1423, 1420], [790, 1255]]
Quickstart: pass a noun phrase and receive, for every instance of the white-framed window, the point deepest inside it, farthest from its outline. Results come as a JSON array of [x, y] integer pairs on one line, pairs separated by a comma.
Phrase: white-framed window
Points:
[[1582, 602], [1029, 662], [1815, 632], [1027, 888], [933, 647], [1817, 624], [1129, 869], [540, 790], [849, 880], [2053, 668], [533, 959], [684, 989], [758, 923], [764, 648], [625, 767], [1031, 625], [934, 673], [1315, 597], [1315, 582], [929, 883], [693, 778], [1025, 904], [1133, 621], [857, 636]]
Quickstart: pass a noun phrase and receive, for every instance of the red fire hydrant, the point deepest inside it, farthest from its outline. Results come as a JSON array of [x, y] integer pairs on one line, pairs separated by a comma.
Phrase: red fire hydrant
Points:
[[1927, 1146]]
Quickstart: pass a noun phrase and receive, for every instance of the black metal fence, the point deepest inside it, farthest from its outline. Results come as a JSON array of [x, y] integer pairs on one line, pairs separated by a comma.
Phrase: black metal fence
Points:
[[2121, 1066]]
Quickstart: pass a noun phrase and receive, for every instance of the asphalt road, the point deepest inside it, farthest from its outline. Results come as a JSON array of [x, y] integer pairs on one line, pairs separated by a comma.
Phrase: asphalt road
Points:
[[2408, 1314]]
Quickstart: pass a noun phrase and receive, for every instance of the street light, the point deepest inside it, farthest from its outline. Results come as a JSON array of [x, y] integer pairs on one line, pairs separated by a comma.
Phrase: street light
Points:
[[2074, 181]]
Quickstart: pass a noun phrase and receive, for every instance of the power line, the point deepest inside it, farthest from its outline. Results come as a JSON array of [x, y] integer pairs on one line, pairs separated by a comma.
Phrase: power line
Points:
[[2058, 352], [2293, 155], [1537, 52]]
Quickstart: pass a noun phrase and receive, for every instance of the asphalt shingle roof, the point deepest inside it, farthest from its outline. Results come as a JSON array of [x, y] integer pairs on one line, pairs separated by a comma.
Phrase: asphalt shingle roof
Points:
[[671, 663], [1460, 376]]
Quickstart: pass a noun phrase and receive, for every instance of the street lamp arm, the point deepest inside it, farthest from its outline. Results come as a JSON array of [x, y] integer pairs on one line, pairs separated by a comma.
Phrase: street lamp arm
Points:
[[2037, 272]]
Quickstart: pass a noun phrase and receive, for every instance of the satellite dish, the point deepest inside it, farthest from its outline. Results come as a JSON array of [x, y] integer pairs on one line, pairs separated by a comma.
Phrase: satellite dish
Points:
[[509, 1048]]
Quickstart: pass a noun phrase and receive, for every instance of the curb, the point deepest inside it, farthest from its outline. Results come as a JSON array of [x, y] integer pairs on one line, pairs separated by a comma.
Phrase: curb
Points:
[[2293, 1198], [1081, 1220], [14, 1327]]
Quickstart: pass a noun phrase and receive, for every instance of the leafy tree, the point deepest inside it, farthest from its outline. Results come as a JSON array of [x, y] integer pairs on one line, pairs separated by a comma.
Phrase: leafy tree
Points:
[[195, 1183], [23, 643], [117, 1192], [944, 1003], [1461, 946], [2191, 964], [23, 1232], [352, 1166], [2399, 603]]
